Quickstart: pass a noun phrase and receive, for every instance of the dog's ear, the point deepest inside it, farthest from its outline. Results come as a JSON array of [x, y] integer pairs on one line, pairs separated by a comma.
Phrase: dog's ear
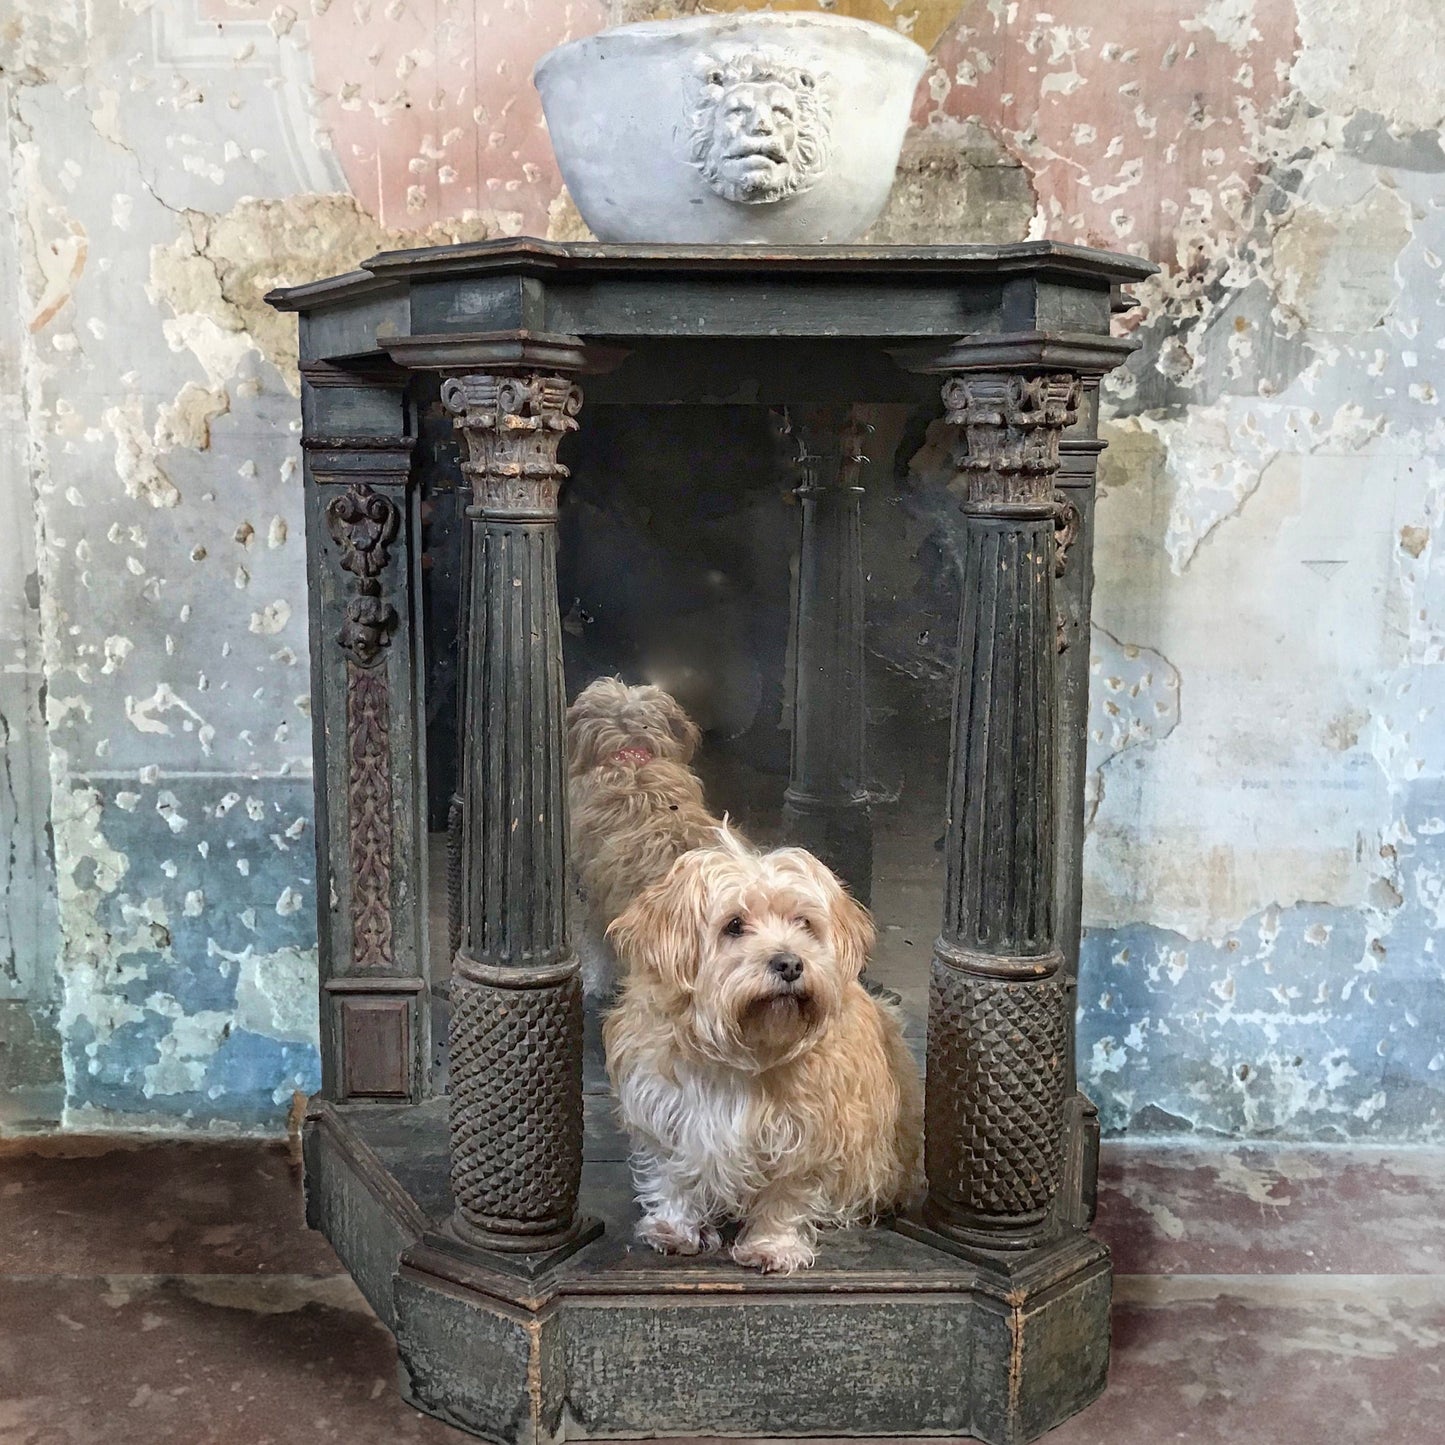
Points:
[[685, 733], [853, 932], [660, 932], [585, 724]]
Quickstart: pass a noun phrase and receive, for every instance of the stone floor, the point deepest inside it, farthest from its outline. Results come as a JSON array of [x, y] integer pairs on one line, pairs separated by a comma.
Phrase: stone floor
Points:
[[164, 1291]]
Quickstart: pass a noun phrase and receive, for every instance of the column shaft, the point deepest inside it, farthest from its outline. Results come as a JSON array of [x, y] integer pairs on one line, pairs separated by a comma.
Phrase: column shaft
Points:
[[826, 807], [998, 1021], [516, 1024]]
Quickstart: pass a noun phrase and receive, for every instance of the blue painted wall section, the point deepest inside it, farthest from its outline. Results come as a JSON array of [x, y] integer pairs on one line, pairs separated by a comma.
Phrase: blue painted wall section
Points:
[[191, 988]]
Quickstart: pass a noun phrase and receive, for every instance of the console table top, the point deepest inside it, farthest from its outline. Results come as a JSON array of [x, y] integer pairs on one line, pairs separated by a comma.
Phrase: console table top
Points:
[[576, 261], [873, 313]]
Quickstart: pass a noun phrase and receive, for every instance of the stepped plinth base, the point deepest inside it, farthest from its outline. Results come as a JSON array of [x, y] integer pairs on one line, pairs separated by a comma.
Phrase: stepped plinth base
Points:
[[886, 1335]]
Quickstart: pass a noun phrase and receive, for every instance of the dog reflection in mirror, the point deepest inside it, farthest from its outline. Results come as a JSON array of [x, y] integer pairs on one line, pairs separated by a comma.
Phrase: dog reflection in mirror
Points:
[[635, 804], [757, 1079]]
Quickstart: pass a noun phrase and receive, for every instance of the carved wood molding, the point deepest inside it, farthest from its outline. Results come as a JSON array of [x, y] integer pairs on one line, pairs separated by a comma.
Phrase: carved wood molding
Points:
[[1067, 521], [512, 427], [363, 523], [369, 810], [1008, 429]]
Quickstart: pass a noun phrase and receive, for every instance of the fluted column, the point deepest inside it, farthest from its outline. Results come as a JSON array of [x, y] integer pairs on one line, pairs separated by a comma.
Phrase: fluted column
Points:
[[456, 838], [516, 998], [826, 807], [998, 1019]]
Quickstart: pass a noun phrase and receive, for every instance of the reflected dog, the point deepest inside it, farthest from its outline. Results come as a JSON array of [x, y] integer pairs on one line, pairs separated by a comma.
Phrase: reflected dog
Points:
[[757, 1079], [635, 804]]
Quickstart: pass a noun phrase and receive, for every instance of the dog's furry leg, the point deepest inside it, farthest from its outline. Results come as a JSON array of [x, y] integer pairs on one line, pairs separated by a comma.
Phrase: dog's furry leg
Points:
[[674, 1217], [778, 1237]]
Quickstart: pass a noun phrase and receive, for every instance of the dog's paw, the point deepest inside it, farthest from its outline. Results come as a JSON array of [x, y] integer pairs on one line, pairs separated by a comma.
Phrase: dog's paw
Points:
[[671, 1236], [773, 1254]]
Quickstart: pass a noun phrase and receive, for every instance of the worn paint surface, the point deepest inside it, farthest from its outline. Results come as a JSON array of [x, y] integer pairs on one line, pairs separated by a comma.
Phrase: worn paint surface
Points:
[[1266, 856]]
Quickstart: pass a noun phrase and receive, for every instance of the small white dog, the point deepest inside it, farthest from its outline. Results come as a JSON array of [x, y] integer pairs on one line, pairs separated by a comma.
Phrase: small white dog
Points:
[[757, 1079], [635, 804]]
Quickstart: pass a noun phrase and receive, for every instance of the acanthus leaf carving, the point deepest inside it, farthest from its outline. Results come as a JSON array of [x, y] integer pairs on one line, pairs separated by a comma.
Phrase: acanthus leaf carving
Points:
[[511, 427], [1009, 427], [369, 810]]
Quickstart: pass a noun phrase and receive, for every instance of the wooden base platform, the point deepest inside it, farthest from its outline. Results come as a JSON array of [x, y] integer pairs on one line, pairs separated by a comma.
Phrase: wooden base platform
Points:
[[886, 1335]]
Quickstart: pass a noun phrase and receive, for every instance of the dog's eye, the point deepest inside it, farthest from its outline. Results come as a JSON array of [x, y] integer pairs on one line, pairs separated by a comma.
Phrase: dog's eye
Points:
[[806, 924], [733, 928]]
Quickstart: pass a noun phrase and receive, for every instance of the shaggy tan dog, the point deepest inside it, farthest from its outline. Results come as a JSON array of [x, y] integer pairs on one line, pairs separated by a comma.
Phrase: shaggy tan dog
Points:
[[635, 804], [756, 1077]]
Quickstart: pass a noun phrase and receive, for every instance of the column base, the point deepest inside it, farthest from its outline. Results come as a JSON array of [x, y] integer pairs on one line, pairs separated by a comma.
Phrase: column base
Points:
[[528, 1255], [987, 1244]]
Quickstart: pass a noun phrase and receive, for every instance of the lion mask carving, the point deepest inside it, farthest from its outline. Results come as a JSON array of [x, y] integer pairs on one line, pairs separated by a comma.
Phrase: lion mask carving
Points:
[[759, 126]]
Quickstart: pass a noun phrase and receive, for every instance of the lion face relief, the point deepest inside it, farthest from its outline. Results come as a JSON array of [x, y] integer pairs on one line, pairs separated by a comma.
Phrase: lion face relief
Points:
[[759, 126]]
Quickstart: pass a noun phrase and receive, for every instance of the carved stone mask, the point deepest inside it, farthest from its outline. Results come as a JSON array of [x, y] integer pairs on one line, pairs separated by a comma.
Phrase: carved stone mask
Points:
[[759, 126]]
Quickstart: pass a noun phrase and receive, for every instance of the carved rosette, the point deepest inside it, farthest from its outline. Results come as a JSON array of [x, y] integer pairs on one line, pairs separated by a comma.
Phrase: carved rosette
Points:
[[998, 1020], [512, 427], [363, 523], [515, 1043]]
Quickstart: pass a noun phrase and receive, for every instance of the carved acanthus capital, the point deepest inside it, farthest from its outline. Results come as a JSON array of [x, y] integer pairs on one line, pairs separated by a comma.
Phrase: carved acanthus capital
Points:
[[831, 447], [363, 524], [511, 427], [1008, 432]]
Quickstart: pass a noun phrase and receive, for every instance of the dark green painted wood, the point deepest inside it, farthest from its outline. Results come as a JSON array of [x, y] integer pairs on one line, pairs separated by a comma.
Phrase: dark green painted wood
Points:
[[356, 435], [884, 1336], [1079, 457]]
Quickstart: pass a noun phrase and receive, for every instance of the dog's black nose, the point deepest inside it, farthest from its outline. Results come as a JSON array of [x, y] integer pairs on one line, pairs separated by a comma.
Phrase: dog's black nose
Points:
[[787, 966]]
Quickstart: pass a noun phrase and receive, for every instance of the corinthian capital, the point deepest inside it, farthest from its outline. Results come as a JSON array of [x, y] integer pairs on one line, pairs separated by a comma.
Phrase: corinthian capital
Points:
[[1008, 435], [511, 428]]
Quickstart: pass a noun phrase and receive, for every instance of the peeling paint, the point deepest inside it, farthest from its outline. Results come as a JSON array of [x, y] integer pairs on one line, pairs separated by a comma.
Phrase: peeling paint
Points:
[[1337, 265]]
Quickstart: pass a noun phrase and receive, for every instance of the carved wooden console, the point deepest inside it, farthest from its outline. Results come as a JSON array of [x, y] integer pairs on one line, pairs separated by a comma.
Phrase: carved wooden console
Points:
[[489, 1223]]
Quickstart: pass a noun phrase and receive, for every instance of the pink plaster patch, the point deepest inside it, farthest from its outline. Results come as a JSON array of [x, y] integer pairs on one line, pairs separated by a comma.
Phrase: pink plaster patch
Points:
[[432, 110], [1128, 116]]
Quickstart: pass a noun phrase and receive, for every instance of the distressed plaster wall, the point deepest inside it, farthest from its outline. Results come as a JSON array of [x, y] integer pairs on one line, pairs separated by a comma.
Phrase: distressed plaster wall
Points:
[[30, 1069], [1266, 858]]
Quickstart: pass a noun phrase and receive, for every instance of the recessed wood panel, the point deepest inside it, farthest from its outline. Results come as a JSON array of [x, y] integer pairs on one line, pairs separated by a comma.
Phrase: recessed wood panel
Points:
[[375, 1047]]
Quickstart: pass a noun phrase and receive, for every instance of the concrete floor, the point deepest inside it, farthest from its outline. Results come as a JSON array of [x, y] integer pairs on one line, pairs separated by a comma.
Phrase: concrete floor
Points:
[[166, 1291]]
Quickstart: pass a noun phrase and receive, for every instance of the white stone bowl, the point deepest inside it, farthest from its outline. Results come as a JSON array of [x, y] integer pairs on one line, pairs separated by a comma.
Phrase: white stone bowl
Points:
[[775, 128]]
